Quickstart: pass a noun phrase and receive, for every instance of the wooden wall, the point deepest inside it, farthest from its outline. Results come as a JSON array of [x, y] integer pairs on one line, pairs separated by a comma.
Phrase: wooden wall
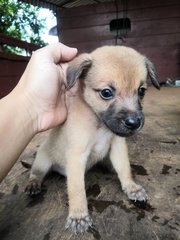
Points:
[[11, 69], [12, 66], [155, 30]]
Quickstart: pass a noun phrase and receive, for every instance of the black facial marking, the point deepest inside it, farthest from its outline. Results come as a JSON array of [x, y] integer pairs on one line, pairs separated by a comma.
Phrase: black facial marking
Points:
[[122, 123]]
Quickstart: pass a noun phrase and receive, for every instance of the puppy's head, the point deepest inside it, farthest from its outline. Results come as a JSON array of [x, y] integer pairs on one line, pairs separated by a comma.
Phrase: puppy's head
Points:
[[114, 82]]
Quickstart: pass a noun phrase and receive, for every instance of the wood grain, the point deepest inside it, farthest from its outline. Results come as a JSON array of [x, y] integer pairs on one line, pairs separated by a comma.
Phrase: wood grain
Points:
[[155, 31]]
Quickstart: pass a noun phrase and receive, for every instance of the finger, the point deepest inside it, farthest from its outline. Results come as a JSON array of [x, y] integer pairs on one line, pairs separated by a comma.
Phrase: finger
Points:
[[61, 53], [67, 53]]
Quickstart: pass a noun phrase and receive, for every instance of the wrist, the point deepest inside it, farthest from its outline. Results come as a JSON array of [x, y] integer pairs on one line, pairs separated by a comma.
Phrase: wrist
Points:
[[21, 103], [17, 128]]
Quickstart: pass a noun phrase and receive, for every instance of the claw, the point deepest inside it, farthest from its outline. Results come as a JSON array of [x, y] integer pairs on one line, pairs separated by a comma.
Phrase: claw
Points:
[[78, 225], [33, 188], [136, 193]]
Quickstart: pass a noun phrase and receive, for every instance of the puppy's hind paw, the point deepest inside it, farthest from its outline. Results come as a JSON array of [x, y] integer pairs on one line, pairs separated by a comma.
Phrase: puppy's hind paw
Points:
[[136, 192], [78, 225], [33, 188]]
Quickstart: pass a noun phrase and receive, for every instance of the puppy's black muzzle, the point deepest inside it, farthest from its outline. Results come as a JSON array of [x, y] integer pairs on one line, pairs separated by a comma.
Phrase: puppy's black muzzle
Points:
[[123, 123], [132, 122]]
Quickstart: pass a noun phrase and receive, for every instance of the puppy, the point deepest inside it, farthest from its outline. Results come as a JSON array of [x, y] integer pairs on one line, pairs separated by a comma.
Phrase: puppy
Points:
[[111, 83]]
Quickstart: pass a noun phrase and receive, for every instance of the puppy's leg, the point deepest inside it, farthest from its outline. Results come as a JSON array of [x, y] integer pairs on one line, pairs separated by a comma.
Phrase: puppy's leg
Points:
[[78, 220], [120, 161], [40, 168]]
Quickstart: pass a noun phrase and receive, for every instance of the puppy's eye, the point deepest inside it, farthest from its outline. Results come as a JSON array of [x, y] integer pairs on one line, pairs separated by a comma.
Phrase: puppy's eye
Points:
[[106, 94], [141, 92]]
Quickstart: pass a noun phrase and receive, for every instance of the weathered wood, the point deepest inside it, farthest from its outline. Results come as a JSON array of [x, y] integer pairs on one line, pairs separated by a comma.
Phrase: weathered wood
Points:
[[43, 3], [111, 7], [11, 69], [157, 41], [154, 154], [9, 56], [99, 33], [100, 19], [154, 30], [11, 65], [17, 43]]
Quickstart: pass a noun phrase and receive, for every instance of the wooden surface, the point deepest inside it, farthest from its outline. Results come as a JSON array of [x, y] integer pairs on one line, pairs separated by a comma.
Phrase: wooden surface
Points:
[[154, 155], [12, 66], [4, 39], [11, 69], [155, 30]]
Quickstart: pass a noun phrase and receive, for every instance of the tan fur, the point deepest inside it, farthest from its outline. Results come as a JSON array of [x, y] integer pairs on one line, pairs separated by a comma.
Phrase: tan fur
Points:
[[83, 139]]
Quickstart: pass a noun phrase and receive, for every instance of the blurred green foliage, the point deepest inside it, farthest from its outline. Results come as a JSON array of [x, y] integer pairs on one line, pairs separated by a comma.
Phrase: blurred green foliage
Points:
[[20, 20]]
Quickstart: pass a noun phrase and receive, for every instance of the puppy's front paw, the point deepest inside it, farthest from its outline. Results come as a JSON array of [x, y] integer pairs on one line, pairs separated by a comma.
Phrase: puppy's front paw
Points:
[[135, 192], [33, 188], [78, 225]]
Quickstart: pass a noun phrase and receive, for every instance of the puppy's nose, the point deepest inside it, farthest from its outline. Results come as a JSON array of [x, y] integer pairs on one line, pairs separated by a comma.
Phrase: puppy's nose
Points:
[[132, 122]]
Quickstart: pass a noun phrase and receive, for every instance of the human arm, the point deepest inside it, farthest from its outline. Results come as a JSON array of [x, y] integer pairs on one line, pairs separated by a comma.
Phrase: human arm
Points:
[[36, 104]]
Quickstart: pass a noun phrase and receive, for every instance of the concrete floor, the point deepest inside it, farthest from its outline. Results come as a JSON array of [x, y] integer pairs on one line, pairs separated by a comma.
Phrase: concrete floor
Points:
[[154, 155]]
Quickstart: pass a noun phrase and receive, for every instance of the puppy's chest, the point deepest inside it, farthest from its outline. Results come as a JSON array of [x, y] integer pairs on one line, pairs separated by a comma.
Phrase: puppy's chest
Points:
[[101, 143]]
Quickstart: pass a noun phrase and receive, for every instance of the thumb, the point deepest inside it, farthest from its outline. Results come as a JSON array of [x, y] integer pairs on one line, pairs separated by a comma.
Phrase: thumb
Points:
[[61, 53], [67, 53]]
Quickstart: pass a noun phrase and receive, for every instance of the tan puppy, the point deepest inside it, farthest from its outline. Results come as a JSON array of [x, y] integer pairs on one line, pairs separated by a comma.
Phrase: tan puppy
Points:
[[106, 109]]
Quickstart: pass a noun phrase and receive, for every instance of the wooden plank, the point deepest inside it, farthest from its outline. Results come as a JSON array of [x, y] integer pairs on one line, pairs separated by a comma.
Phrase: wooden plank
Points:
[[10, 73], [89, 46], [156, 27], [43, 3], [105, 18], [11, 69], [155, 13], [157, 41], [110, 7], [136, 42], [10, 56], [17, 43], [82, 34], [7, 84], [145, 28], [169, 71], [86, 10]]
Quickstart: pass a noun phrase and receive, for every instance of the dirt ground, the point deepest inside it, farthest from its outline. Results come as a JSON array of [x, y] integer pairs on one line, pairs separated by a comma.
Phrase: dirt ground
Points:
[[154, 154]]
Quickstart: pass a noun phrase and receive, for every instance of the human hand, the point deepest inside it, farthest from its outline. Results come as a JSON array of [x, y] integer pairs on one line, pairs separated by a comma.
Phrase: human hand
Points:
[[42, 86]]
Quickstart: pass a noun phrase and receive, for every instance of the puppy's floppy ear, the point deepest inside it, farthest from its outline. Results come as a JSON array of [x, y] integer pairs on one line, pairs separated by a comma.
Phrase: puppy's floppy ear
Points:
[[78, 68], [152, 73]]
